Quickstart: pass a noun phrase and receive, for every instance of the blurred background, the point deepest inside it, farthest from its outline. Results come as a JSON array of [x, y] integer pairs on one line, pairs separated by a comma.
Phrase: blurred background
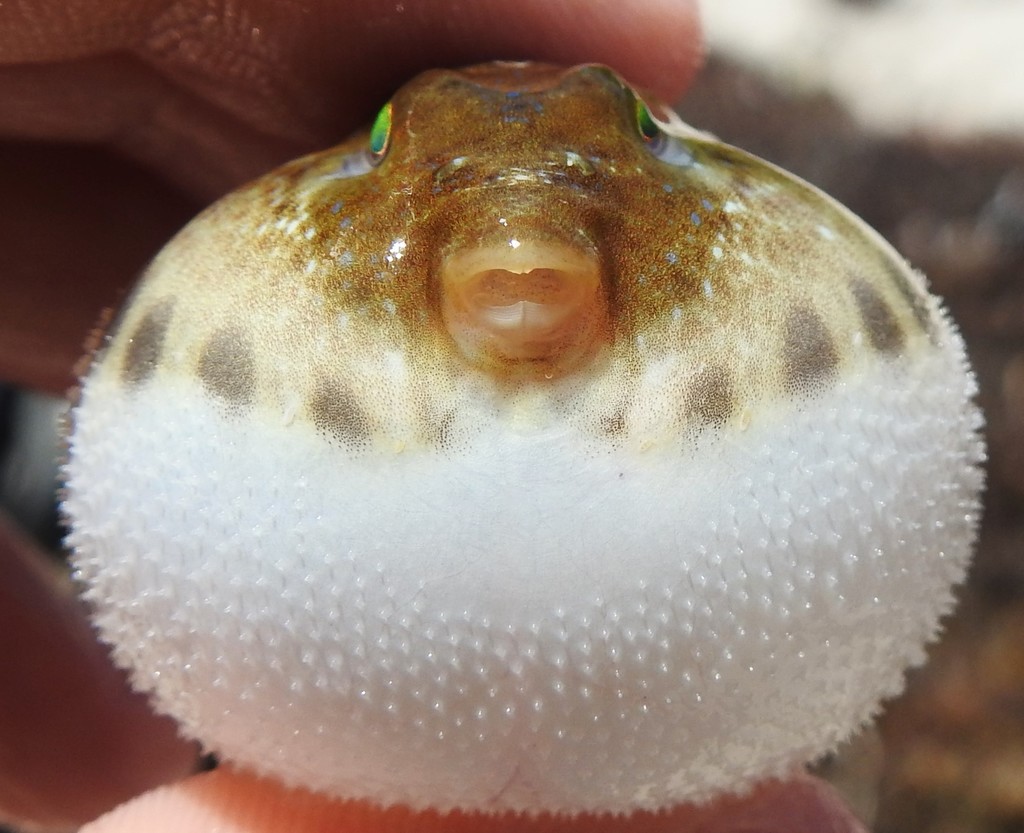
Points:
[[911, 112]]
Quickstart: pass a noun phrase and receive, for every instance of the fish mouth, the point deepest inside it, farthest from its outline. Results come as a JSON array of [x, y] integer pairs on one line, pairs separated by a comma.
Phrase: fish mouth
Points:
[[524, 302]]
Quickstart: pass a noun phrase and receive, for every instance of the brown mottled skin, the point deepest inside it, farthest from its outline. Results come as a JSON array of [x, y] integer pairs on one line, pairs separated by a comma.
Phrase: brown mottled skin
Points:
[[316, 294]]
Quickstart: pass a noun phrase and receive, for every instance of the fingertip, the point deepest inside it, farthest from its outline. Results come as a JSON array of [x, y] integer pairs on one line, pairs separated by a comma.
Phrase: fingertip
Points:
[[74, 739], [230, 801], [218, 800], [655, 44]]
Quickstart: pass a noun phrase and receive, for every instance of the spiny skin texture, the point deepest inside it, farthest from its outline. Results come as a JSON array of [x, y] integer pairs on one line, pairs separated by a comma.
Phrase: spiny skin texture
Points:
[[528, 454]]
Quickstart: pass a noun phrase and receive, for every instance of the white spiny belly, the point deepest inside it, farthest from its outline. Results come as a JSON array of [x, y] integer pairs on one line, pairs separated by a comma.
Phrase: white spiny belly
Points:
[[535, 619]]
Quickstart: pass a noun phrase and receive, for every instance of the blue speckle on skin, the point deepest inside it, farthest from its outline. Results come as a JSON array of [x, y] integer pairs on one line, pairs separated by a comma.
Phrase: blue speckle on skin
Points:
[[667, 188], [672, 257], [337, 207], [346, 223], [518, 111], [707, 203], [695, 218]]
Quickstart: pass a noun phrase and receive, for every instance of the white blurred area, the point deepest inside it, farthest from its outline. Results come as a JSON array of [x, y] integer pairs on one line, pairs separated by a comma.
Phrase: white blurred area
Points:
[[948, 69]]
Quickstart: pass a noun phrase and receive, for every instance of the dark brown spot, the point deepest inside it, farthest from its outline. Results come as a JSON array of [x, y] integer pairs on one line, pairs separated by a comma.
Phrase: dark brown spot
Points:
[[613, 424], [442, 431], [883, 329], [336, 412], [227, 367], [145, 344], [809, 356], [709, 397]]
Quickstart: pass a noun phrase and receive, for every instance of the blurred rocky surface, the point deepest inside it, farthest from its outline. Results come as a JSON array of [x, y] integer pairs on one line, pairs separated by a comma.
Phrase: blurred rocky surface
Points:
[[952, 758]]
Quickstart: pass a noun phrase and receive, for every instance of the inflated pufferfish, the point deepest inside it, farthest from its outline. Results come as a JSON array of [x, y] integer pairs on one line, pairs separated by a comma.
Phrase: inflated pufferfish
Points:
[[533, 451]]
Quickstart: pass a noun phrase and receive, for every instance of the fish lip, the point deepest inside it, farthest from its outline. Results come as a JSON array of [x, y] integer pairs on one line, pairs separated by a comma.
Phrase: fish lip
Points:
[[515, 305]]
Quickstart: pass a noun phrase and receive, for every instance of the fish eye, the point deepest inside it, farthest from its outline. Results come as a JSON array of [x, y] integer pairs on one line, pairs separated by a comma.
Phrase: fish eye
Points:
[[646, 124], [662, 145], [380, 133], [370, 156]]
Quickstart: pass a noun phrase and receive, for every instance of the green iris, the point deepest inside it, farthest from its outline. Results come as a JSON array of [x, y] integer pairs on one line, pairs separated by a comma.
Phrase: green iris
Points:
[[645, 122], [380, 133]]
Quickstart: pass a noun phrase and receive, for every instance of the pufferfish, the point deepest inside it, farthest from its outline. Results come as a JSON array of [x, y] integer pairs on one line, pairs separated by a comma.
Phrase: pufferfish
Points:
[[530, 451]]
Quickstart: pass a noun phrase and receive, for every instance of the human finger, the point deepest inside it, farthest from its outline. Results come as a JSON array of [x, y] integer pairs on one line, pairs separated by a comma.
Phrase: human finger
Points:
[[74, 741], [234, 802]]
